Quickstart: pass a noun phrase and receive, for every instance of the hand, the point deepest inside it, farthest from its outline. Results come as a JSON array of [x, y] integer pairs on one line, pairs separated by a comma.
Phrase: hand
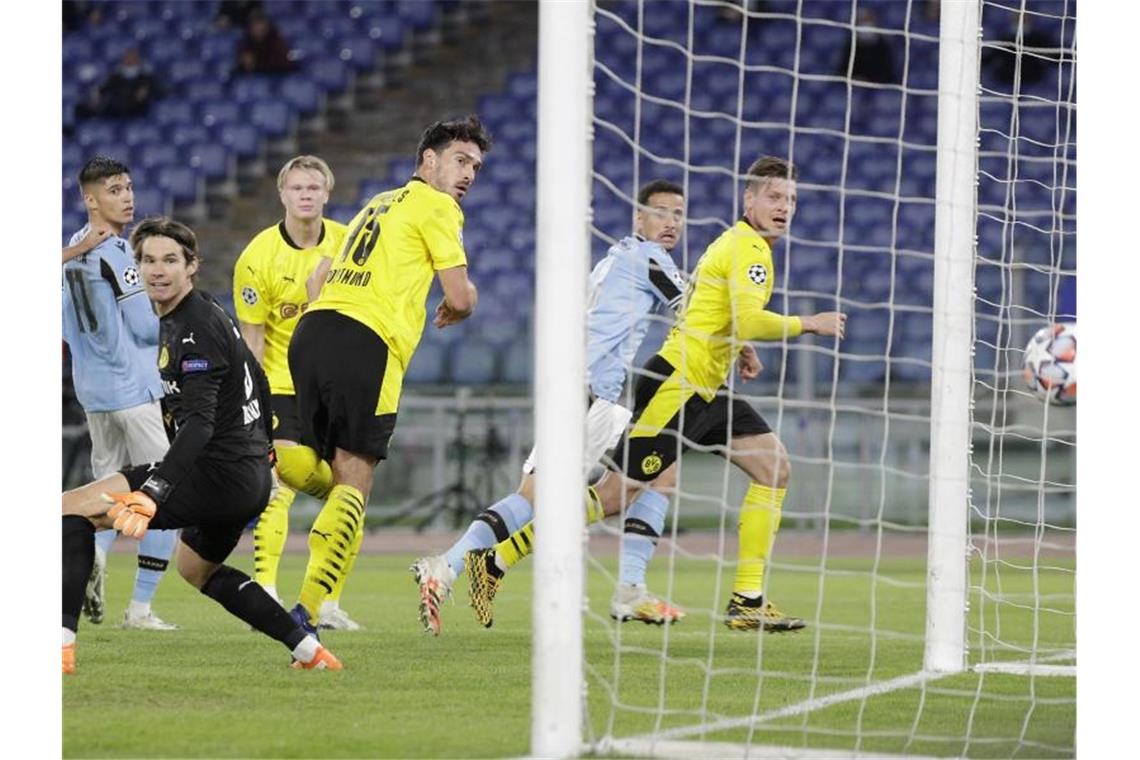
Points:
[[131, 512], [95, 235], [445, 315], [827, 323], [748, 364]]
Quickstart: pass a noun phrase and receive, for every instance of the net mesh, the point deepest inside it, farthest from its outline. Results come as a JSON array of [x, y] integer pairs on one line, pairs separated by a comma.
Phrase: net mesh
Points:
[[693, 92]]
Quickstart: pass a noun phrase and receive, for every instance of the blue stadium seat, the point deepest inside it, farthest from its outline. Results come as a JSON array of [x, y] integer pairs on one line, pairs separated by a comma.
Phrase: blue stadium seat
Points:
[[150, 201], [243, 139], [211, 159], [358, 52], [206, 88], [213, 112], [172, 112], [138, 132], [428, 365], [186, 134], [418, 15], [517, 362], [341, 212], [302, 93], [181, 183], [273, 118], [159, 155], [473, 362], [252, 87], [331, 74], [94, 131]]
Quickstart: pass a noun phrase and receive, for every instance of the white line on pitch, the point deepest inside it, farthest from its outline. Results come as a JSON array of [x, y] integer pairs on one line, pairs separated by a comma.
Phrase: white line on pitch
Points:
[[810, 705]]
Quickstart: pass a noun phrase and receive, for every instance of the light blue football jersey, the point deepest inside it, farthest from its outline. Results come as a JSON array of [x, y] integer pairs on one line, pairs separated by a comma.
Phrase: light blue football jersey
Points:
[[626, 287], [110, 328]]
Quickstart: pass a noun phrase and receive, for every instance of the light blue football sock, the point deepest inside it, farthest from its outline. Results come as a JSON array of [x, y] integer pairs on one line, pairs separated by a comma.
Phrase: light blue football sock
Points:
[[644, 521], [104, 539], [155, 550], [493, 525]]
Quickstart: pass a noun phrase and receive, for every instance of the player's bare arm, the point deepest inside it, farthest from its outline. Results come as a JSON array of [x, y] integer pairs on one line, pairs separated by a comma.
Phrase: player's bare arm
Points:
[[317, 279], [826, 323], [96, 234], [254, 337], [459, 297]]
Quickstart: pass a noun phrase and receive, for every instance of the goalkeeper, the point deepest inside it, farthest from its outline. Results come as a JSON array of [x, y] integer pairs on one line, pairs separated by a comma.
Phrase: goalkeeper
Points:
[[637, 276], [681, 399], [215, 477]]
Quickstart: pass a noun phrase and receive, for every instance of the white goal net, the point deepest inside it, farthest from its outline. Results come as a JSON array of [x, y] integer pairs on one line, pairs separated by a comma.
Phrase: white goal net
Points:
[[849, 90]]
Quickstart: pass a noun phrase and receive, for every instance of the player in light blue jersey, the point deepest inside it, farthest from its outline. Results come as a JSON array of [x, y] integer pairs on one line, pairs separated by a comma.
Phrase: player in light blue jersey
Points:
[[636, 277], [112, 334]]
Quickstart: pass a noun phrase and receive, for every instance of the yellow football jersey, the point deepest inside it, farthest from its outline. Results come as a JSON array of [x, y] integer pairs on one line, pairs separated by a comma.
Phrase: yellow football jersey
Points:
[[269, 289], [395, 245], [725, 305]]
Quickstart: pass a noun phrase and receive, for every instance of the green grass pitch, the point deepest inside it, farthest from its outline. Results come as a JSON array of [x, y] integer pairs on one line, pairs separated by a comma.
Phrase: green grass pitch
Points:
[[215, 689]]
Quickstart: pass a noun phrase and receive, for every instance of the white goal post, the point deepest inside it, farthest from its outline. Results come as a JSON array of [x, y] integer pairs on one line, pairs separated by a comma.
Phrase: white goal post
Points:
[[975, 539]]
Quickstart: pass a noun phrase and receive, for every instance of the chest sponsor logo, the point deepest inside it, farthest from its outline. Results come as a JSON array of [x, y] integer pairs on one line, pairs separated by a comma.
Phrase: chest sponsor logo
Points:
[[290, 310], [170, 387]]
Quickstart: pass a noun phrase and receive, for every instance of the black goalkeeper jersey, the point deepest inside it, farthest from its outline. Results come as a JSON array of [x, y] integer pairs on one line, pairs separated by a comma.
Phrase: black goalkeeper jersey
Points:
[[217, 397]]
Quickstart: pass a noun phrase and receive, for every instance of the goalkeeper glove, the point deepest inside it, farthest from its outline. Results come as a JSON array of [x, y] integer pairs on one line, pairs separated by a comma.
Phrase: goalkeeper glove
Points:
[[131, 512]]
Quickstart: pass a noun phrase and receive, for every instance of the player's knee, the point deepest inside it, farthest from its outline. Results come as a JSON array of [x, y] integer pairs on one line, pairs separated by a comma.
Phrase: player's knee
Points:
[[195, 570], [297, 466], [667, 480]]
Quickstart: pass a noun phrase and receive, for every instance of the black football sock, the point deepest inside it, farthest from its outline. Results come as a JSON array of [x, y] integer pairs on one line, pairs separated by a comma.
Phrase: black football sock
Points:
[[78, 559], [246, 599]]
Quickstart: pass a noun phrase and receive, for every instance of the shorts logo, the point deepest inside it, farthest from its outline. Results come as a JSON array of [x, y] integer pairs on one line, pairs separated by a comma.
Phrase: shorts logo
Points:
[[131, 276], [249, 295], [163, 357], [758, 274], [651, 465]]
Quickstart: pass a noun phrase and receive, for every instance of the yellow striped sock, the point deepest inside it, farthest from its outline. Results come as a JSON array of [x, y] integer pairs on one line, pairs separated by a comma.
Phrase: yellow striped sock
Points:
[[330, 542], [353, 551], [521, 543], [759, 521], [269, 537]]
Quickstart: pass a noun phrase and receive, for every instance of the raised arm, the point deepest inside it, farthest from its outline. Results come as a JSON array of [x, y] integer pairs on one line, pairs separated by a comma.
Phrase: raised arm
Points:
[[95, 235], [317, 278]]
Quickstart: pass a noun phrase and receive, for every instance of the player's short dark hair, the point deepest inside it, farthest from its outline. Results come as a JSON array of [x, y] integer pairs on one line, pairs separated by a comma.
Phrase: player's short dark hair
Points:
[[162, 226], [99, 168], [650, 189], [771, 167], [441, 134]]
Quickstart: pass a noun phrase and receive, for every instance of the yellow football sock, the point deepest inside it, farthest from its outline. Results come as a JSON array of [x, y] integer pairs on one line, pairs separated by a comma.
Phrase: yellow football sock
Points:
[[269, 537], [759, 521], [521, 543], [330, 542], [300, 468], [353, 550]]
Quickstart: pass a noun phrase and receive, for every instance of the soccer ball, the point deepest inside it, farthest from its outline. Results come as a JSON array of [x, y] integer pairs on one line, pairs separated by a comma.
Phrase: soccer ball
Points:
[[1051, 363]]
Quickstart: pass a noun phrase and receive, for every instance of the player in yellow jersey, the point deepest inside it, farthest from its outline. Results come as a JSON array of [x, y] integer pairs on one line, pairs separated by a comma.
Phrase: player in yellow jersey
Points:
[[681, 399], [352, 346], [270, 295]]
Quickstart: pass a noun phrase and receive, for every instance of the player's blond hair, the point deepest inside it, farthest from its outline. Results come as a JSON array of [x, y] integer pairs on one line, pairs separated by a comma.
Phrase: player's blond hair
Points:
[[770, 167], [312, 163]]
